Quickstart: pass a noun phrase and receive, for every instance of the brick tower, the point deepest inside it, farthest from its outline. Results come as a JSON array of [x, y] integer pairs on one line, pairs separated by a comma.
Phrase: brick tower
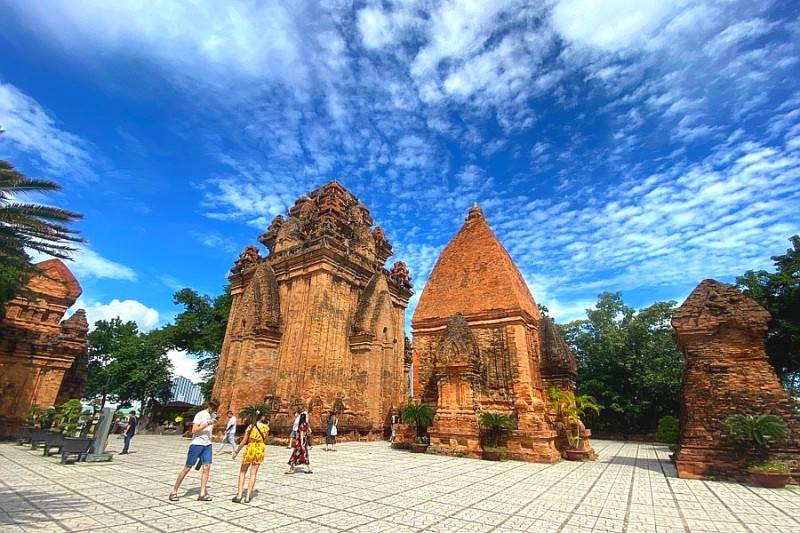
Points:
[[478, 347], [721, 334], [43, 360], [318, 322]]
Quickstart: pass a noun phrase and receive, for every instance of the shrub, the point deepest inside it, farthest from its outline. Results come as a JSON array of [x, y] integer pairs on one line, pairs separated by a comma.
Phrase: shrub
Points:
[[419, 414], [668, 430], [757, 431], [495, 424]]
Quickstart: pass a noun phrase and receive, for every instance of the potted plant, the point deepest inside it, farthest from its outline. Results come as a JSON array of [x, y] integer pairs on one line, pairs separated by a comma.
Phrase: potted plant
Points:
[[494, 425], [758, 432], [772, 474], [68, 414], [421, 416], [35, 415], [571, 408]]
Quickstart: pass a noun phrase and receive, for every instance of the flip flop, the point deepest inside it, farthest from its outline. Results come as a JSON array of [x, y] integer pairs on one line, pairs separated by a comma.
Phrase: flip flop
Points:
[[204, 498], [173, 497]]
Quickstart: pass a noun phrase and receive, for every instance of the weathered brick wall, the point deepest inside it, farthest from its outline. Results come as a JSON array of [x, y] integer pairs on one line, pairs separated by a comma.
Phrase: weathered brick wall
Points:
[[721, 335], [477, 348], [37, 349], [319, 322]]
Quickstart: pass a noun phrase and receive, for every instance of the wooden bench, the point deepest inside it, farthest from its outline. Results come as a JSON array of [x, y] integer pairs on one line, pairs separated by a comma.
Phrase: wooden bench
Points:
[[79, 447]]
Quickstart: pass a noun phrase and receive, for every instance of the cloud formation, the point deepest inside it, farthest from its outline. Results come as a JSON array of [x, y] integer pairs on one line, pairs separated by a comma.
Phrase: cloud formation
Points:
[[30, 129], [145, 317], [614, 145]]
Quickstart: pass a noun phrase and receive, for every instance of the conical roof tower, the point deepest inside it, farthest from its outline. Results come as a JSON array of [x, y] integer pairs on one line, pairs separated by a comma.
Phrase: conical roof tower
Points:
[[474, 276]]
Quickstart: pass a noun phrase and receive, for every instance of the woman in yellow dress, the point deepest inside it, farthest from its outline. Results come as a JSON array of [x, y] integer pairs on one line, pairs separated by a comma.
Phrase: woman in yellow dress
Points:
[[254, 438]]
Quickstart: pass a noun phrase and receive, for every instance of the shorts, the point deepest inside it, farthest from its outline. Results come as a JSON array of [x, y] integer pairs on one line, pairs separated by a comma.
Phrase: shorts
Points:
[[199, 451], [293, 434]]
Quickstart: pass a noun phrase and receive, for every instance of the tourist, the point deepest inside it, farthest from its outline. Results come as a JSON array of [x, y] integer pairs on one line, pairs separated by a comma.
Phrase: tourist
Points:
[[330, 432], [300, 450], [230, 433], [295, 426], [395, 419], [255, 437], [199, 450], [130, 430]]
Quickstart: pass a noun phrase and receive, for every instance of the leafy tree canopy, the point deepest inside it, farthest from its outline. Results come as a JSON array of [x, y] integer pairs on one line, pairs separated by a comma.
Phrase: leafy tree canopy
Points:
[[628, 361], [127, 365], [200, 329], [779, 293]]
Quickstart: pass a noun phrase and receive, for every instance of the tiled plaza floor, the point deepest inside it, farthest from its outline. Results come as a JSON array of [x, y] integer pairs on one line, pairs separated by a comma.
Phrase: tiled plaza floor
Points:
[[369, 487]]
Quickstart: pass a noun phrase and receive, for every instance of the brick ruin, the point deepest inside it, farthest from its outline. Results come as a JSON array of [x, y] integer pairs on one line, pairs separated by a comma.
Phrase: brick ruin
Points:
[[43, 360], [481, 345], [319, 321], [721, 335]]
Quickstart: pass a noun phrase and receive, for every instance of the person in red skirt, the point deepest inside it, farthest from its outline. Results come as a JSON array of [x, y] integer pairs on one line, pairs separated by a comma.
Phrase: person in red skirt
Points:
[[300, 448]]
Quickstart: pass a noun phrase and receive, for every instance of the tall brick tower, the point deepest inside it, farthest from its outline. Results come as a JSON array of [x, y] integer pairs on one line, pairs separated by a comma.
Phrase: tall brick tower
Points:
[[478, 347], [318, 322], [43, 359]]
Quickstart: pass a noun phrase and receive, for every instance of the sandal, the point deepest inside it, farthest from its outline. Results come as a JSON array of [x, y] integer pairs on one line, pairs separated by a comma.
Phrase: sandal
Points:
[[246, 500], [173, 496], [204, 498], [236, 499]]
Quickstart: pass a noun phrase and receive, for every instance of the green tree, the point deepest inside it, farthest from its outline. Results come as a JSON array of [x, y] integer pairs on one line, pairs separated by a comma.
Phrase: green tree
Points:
[[779, 293], [200, 329], [106, 341], [26, 226], [142, 371], [628, 361], [126, 365]]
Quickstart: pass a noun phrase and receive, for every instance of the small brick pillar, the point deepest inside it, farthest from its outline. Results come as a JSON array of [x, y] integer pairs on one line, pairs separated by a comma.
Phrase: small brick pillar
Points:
[[721, 335]]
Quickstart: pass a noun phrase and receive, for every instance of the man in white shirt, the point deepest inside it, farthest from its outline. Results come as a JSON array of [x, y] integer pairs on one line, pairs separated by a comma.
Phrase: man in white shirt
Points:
[[230, 433], [199, 450]]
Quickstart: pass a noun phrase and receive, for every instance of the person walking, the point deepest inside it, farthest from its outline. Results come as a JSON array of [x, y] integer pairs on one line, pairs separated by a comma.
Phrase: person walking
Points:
[[300, 449], [230, 433], [295, 427], [199, 450], [130, 430], [255, 437], [330, 432], [393, 425]]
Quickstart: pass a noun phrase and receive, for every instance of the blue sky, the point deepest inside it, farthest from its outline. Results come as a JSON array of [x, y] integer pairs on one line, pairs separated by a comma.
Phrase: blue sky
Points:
[[613, 145]]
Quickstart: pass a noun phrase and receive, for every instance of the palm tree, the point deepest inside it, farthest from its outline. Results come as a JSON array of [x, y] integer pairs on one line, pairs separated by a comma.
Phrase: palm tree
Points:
[[495, 424], [758, 431], [419, 414], [572, 408], [27, 226], [248, 414]]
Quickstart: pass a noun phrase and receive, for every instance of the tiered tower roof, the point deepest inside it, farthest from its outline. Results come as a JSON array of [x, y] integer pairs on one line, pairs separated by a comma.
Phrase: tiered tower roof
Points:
[[474, 276]]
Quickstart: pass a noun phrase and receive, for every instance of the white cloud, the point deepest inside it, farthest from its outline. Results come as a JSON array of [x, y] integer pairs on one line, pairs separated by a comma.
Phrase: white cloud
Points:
[[612, 24], [31, 129], [86, 263], [184, 365], [145, 317]]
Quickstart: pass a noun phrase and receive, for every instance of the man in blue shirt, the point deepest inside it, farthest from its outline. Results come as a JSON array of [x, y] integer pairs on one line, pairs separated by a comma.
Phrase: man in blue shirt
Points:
[[130, 429]]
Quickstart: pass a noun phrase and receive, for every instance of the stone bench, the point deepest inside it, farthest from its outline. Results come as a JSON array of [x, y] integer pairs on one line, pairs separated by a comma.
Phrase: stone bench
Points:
[[54, 441], [41, 436], [25, 433], [79, 447]]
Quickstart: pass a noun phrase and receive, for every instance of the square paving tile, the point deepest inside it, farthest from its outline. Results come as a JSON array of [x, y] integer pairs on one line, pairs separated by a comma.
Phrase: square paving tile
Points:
[[367, 487]]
